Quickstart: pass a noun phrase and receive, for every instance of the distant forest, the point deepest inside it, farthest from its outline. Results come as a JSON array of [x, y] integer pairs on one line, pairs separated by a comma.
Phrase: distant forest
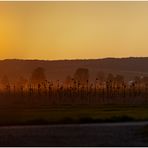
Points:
[[60, 69]]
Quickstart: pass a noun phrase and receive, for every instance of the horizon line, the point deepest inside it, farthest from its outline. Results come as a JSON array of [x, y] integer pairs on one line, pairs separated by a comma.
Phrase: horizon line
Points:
[[73, 59]]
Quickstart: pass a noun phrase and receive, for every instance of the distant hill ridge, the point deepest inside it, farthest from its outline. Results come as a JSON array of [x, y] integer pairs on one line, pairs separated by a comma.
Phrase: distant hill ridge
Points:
[[59, 69]]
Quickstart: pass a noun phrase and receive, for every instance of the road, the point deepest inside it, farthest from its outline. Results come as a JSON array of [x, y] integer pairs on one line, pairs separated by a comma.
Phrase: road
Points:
[[107, 134]]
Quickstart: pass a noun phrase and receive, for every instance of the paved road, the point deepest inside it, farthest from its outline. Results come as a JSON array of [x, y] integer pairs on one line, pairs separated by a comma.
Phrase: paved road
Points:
[[108, 134]]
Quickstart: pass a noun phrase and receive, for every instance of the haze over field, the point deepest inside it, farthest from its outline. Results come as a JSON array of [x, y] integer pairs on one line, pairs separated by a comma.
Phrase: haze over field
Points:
[[128, 67]]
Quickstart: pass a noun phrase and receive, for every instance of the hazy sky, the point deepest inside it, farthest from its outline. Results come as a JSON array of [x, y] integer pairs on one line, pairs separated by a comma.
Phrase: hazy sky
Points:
[[73, 30]]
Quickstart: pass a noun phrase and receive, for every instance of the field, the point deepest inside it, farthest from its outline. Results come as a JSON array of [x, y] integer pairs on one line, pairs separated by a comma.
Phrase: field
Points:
[[72, 114]]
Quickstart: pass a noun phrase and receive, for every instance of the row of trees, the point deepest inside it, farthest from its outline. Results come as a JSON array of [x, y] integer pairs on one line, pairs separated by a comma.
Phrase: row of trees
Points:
[[77, 89], [80, 77], [38, 77]]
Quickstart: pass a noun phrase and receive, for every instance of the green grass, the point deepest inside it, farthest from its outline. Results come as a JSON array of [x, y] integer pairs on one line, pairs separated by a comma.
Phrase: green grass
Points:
[[73, 114]]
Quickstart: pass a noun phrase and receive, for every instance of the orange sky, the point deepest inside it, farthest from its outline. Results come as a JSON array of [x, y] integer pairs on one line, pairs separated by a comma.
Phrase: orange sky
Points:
[[73, 30]]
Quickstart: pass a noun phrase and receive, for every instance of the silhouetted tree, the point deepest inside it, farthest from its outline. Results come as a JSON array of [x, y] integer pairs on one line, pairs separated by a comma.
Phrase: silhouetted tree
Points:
[[5, 81], [119, 80], [21, 81], [38, 76], [82, 76], [110, 77], [138, 81]]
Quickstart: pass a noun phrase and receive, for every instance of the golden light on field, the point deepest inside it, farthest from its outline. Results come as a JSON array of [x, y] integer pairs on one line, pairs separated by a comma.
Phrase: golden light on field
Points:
[[72, 30]]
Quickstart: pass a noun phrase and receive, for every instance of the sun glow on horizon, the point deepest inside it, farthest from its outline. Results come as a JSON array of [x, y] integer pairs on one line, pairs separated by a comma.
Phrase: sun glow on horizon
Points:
[[73, 30]]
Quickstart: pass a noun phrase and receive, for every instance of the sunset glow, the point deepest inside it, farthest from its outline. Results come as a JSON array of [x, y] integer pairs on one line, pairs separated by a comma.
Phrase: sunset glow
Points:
[[73, 30]]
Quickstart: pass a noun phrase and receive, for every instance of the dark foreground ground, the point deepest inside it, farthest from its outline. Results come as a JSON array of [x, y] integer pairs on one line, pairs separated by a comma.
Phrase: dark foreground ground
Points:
[[107, 134]]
